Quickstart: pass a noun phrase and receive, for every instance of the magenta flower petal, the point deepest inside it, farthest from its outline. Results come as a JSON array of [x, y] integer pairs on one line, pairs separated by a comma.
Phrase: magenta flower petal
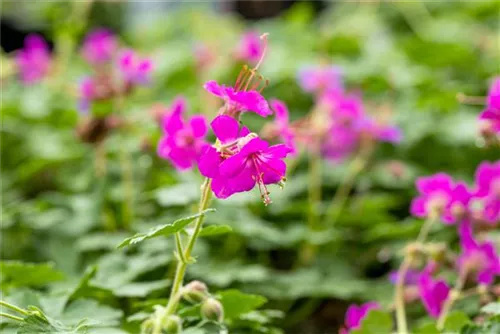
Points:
[[321, 78], [493, 98], [433, 293], [225, 128], [355, 314], [198, 126], [209, 162], [233, 165]]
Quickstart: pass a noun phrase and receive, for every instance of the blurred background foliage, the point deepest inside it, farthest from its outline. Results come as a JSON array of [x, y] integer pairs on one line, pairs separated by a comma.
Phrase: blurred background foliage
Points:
[[61, 223]]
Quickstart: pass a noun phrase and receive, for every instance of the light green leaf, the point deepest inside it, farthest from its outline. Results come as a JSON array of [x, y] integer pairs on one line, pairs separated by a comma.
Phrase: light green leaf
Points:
[[215, 230], [163, 230], [427, 328], [140, 289], [236, 302], [17, 273], [491, 308], [375, 322]]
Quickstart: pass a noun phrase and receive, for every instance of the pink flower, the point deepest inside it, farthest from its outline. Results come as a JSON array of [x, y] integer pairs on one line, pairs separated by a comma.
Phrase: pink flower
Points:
[[320, 78], [441, 194], [479, 258], [355, 315], [182, 142], [411, 278], [134, 69], [339, 142], [34, 60], [241, 160], [488, 190], [493, 98], [237, 100], [99, 46], [87, 93], [433, 293], [250, 48], [491, 115], [282, 125], [378, 131]]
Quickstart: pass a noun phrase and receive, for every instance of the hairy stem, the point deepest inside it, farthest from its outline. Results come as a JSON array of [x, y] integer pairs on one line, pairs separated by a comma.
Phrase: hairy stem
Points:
[[181, 266], [10, 316], [402, 327], [13, 307]]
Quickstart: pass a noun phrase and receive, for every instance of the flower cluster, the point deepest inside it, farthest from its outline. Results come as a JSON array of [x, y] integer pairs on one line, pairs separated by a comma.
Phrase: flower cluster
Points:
[[453, 201], [116, 72], [472, 209], [239, 160], [34, 60], [338, 126]]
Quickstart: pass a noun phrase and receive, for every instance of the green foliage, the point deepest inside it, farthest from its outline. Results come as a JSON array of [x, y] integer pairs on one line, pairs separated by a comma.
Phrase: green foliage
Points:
[[375, 322], [163, 230], [62, 220]]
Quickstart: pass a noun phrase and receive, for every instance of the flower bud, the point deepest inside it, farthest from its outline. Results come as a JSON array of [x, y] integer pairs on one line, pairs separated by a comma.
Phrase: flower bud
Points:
[[195, 292], [172, 325], [458, 211], [212, 310]]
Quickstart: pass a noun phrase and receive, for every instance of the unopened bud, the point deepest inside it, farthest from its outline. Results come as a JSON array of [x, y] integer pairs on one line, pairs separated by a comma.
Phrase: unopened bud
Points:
[[212, 310], [486, 129], [172, 325], [195, 292], [437, 252]]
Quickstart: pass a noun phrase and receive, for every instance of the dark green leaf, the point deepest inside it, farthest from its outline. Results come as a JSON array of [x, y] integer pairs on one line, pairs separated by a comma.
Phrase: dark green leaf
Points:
[[236, 302]]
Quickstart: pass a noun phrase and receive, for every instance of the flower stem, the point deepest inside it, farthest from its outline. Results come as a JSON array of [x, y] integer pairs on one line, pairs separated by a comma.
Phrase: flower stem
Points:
[[402, 327], [452, 297], [128, 184], [308, 250], [13, 307], [339, 199], [10, 316], [181, 266]]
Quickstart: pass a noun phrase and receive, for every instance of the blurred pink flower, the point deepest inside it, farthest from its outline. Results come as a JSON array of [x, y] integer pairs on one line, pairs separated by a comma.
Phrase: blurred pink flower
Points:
[[378, 131], [182, 142], [317, 79], [491, 114], [134, 69], [87, 92], [433, 293], [237, 101], [355, 315], [99, 46], [479, 258], [282, 125], [203, 56], [34, 59], [441, 193], [250, 48], [488, 190]]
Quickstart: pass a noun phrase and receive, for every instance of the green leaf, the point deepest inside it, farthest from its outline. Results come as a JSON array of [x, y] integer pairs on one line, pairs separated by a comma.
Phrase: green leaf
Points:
[[17, 273], [163, 230], [455, 321], [215, 230], [492, 308], [236, 302], [97, 314], [140, 289], [427, 328], [375, 322], [38, 322]]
